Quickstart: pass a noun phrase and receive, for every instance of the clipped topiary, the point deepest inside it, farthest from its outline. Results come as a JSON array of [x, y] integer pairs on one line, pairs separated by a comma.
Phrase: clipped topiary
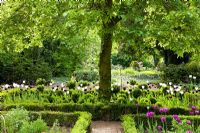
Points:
[[153, 100], [133, 82], [136, 93]]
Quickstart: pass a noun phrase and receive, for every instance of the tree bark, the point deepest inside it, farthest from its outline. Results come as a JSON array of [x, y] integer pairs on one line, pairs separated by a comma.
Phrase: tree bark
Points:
[[106, 48], [105, 65]]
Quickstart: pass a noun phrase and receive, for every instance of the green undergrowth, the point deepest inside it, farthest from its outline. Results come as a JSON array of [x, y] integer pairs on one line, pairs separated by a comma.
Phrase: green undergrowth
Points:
[[78, 121]]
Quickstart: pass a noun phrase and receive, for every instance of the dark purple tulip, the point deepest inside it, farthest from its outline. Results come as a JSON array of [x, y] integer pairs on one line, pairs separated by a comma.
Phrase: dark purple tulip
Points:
[[150, 114], [163, 110], [155, 107], [188, 131], [177, 118], [163, 119], [196, 112], [191, 113], [189, 122], [193, 108], [137, 105], [159, 128]]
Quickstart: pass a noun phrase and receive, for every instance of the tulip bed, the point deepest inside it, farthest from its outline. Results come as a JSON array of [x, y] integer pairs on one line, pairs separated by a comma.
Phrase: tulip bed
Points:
[[152, 110], [152, 123]]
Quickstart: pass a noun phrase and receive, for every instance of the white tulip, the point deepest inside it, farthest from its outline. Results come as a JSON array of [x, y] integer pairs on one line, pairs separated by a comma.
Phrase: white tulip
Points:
[[143, 87], [181, 92], [194, 77]]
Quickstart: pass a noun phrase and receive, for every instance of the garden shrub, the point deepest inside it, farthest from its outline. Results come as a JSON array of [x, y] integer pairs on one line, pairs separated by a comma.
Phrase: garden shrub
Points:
[[75, 94], [122, 97], [178, 111], [133, 82], [153, 100], [144, 101], [80, 121], [88, 98], [37, 126], [71, 84], [83, 83], [88, 75], [136, 65], [17, 120], [22, 68], [115, 88], [121, 59], [40, 81], [128, 124], [65, 119], [40, 88], [136, 93], [180, 73], [14, 119]]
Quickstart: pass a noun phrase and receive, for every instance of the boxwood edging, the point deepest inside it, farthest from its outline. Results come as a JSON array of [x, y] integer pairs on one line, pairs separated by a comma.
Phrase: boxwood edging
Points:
[[128, 124], [83, 123], [98, 111]]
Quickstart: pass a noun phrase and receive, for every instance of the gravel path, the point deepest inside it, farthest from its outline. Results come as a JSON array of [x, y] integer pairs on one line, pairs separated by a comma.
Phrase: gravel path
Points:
[[106, 127]]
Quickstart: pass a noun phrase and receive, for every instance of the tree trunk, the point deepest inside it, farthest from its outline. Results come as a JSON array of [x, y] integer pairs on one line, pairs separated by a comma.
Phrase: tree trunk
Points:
[[106, 48], [171, 57], [105, 65]]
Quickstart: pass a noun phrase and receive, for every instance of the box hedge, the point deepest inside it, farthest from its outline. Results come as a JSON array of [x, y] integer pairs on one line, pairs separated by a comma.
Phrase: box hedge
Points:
[[98, 111]]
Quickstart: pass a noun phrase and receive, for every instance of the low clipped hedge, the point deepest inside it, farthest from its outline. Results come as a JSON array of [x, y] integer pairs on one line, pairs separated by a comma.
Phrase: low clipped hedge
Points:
[[80, 121], [128, 124], [64, 119], [98, 111], [83, 123]]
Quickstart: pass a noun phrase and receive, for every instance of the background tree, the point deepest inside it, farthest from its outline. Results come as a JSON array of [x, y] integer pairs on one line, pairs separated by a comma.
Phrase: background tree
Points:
[[175, 24]]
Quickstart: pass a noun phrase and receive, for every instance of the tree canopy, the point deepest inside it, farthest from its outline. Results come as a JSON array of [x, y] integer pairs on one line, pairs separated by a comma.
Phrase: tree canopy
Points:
[[81, 24]]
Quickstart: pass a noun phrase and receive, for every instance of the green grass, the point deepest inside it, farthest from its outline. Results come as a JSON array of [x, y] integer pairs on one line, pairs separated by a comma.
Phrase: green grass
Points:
[[140, 76]]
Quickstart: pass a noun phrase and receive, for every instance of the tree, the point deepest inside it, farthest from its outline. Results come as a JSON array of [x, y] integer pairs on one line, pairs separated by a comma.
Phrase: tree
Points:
[[33, 27], [172, 27], [174, 30], [34, 23], [31, 22]]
